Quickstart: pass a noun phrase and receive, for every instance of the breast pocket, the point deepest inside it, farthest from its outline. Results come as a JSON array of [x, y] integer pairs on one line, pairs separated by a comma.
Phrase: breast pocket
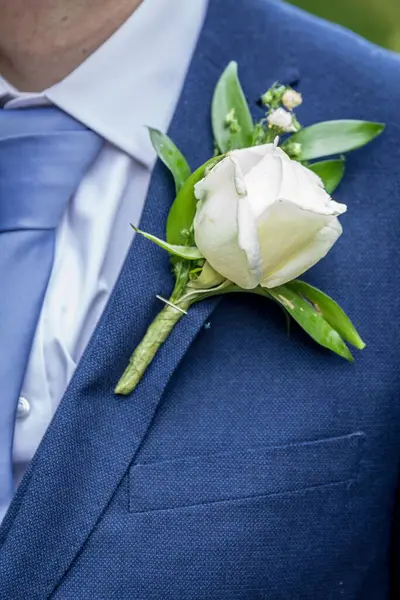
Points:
[[227, 476]]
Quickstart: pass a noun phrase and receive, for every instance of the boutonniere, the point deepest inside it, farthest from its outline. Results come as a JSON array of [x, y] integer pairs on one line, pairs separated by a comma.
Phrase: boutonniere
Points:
[[256, 216]]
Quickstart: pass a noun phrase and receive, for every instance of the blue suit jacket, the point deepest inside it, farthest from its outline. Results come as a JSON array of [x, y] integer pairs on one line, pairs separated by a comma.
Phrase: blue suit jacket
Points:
[[246, 465]]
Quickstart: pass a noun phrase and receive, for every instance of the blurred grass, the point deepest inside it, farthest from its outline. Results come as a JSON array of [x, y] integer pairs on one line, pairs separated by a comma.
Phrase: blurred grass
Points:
[[377, 20]]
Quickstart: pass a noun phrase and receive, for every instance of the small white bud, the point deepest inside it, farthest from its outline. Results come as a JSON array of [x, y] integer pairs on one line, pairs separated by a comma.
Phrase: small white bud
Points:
[[282, 119], [291, 99]]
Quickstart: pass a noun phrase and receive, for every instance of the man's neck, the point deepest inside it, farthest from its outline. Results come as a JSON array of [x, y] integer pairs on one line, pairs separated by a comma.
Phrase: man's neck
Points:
[[42, 41]]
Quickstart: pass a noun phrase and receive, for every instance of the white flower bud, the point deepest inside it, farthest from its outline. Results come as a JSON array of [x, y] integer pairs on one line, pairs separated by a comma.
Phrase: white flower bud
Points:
[[282, 119], [291, 99]]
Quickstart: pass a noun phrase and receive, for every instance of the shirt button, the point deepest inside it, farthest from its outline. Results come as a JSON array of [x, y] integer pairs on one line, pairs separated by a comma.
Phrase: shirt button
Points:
[[23, 408]]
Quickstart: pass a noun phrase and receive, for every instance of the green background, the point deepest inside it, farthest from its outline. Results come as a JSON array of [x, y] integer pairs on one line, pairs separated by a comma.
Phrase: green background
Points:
[[377, 20]]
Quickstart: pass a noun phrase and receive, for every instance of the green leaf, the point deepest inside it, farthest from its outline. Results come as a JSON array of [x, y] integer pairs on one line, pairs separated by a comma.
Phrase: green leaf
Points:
[[330, 310], [181, 215], [187, 252], [330, 171], [170, 156], [229, 96], [324, 325], [334, 137], [310, 320]]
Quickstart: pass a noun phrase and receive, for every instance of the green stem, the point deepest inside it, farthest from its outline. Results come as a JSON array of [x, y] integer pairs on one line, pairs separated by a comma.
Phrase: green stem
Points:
[[157, 333], [154, 338], [162, 326], [230, 289]]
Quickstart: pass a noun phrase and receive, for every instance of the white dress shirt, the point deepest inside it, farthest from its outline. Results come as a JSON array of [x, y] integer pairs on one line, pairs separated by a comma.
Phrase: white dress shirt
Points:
[[133, 80]]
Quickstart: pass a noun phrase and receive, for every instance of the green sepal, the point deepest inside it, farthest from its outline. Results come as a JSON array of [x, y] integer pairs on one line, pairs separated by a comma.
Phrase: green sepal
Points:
[[330, 171], [186, 252], [334, 137], [310, 319], [171, 156], [330, 310], [208, 278], [181, 214], [229, 96]]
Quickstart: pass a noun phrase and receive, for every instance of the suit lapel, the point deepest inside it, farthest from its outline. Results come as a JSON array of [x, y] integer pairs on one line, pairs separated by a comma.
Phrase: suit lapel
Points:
[[94, 435]]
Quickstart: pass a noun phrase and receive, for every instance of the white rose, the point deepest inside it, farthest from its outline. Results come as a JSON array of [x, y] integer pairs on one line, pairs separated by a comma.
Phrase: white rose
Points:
[[282, 119], [263, 219]]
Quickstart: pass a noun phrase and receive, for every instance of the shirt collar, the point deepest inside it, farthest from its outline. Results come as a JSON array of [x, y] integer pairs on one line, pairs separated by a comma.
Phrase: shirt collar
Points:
[[134, 79], [10, 96]]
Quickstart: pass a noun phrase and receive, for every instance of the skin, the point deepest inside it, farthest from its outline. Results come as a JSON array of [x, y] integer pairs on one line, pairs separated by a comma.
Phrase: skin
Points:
[[42, 41]]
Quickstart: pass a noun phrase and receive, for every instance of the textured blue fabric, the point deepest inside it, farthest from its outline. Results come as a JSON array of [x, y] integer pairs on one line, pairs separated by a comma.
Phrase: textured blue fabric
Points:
[[164, 495], [43, 155]]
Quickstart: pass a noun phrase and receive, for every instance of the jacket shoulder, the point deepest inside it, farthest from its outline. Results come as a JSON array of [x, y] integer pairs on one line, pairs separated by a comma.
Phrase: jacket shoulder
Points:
[[304, 34], [316, 34], [330, 58]]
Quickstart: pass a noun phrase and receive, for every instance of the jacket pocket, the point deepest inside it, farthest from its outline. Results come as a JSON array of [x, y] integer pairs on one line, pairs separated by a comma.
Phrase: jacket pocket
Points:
[[260, 471]]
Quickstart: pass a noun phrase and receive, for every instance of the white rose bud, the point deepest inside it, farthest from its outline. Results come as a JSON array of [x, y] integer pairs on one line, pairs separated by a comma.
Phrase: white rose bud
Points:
[[282, 119], [291, 99], [263, 219]]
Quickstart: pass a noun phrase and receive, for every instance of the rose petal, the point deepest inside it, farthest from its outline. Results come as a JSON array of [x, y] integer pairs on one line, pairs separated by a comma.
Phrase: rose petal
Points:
[[216, 226], [304, 188], [248, 158], [263, 183], [292, 240]]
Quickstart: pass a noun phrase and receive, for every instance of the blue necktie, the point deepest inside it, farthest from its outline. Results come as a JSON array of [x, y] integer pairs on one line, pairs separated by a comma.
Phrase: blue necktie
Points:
[[43, 156]]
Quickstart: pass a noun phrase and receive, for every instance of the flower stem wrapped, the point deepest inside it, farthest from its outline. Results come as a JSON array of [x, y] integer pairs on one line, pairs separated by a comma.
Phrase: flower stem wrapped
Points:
[[154, 338]]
